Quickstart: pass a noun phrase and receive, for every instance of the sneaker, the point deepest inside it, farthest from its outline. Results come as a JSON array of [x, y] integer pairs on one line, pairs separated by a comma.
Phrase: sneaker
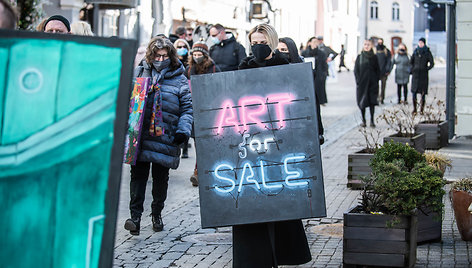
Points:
[[132, 225], [194, 180], [157, 224]]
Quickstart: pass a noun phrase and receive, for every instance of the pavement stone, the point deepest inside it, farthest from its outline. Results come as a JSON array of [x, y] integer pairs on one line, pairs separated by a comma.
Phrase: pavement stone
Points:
[[181, 215]]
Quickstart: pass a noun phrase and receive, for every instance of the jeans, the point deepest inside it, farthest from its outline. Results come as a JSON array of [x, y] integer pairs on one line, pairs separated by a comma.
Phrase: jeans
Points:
[[139, 177]]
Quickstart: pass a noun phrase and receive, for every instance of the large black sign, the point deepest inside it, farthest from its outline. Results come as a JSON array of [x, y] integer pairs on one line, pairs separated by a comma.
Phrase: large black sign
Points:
[[257, 145]]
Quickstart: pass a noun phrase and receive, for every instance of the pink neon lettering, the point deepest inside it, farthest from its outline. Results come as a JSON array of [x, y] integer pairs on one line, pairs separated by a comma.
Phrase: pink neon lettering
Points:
[[281, 99], [250, 114], [230, 120]]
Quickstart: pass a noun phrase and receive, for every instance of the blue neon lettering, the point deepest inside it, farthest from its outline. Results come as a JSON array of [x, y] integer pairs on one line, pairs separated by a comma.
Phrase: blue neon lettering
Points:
[[294, 174], [249, 178], [224, 179], [264, 180]]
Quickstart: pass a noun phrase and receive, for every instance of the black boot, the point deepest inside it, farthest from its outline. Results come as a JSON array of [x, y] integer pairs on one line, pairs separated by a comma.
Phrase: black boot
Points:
[[414, 107], [185, 150], [157, 224], [133, 225]]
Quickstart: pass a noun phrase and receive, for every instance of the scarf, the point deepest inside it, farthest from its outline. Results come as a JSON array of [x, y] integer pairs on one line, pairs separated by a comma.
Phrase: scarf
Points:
[[156, 128], [365, 56]]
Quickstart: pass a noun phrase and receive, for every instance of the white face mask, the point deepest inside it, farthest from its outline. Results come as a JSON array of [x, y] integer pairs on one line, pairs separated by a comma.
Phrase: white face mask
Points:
[[215, 40]]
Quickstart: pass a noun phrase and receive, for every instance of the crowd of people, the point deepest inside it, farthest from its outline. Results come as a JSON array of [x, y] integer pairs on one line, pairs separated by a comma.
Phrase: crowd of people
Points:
[[170, 61]]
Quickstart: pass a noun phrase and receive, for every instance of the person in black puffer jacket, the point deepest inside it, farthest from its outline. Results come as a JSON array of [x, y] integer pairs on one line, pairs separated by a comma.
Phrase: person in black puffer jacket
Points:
[[226, 51], [252, 245], [421, 62], [160, 145]]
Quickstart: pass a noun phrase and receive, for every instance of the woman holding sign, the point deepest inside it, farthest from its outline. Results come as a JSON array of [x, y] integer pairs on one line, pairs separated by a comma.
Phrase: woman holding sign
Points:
[[166, 126], [273, 243]]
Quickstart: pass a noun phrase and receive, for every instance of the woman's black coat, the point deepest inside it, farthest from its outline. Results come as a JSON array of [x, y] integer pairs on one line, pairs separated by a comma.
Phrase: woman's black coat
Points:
[[252, 245], [367, 73], [421, 62], [320, 73]]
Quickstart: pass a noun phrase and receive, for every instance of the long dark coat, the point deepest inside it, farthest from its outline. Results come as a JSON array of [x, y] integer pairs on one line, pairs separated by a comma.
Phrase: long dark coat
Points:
[[252, 247], [367, 73], [402, 71], [421, 61], [320, 73]]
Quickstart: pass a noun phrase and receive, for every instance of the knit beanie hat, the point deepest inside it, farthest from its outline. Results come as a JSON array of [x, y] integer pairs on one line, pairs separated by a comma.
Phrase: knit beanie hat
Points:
[[59, 18], [200, 46], [423, 40]]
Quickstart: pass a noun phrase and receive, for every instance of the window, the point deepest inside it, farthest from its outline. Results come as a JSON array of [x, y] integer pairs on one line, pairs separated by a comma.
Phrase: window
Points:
[[374, 10], [395, 11]]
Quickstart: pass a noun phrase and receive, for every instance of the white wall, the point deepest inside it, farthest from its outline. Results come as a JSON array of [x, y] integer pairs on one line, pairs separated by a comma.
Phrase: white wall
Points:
[[464, 68]]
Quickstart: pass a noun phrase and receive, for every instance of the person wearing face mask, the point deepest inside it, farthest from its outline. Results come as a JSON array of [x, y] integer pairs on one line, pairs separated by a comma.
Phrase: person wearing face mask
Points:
[[384, 56], [182, 48], [421, 62], [367, 73], [199, 62], [289, 50], [166, 126], [225, 51], [321, 68], [272, 243], [402, 72]]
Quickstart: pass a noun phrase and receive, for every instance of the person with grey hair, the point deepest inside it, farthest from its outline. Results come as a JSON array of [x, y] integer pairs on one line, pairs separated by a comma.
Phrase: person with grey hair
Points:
[[167, 124], [268, 244], [226, 51], [8, 17]]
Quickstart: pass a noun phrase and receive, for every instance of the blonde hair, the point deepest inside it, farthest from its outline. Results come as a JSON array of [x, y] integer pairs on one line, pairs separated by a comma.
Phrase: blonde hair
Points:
[[81, 28], [269, 33]]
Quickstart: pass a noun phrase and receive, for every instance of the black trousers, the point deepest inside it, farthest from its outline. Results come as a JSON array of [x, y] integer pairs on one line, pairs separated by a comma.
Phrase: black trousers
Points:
[[399, 91], [139, 177]]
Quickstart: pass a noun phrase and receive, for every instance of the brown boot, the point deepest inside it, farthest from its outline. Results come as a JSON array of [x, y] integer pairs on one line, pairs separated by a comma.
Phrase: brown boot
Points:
[[422, 106], [194, 178], [414, 107]]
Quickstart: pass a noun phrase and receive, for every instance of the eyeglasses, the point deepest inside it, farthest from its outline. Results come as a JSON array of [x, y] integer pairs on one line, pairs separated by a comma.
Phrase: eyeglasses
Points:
[[165, 56], [216, 34]]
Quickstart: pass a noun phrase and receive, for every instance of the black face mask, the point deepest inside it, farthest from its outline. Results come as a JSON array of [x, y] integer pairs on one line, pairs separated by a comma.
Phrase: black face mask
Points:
[[261, 51], [285, 56], [402, 51]]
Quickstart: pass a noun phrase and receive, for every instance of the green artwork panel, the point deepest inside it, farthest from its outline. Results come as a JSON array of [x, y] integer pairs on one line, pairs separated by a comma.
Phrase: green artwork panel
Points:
[[97, 69], [32, 81], [60, 108]]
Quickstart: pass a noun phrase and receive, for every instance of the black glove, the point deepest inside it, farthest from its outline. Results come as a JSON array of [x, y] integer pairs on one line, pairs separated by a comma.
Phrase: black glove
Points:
[[180, 138], [321, 138]]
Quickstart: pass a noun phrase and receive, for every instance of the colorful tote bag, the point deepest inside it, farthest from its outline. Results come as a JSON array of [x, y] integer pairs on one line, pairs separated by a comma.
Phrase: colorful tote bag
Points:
[[135, 121]]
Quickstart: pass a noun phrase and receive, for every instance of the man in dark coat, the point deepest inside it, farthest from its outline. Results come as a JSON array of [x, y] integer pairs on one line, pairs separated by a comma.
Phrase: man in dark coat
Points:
[[330, 55], [421, 62], [321, 68], [226, 51], [384, 57]]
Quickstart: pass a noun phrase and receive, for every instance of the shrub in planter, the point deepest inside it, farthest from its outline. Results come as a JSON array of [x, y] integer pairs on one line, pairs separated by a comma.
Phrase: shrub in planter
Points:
[[461, 198], [401, 184]]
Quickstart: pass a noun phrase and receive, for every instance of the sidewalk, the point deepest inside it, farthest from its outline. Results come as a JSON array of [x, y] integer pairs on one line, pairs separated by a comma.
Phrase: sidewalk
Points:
[[183, 243]]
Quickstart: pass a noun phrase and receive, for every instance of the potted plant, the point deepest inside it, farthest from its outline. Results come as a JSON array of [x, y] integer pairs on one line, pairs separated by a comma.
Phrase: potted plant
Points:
[[402, 121], [358, 162], [382, 230], [433, 125], [461, 198]]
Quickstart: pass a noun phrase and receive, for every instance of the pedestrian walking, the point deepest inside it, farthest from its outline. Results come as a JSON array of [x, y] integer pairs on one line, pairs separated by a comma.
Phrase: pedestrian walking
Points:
[[159, 151], [367, 74], [8, 16], [402, 72], [288, 49], [421, 62], [182, 48], [384, 57], [321, 68], [331, 55], [341, 59], [272, 243], [199, 63], [226, 51]]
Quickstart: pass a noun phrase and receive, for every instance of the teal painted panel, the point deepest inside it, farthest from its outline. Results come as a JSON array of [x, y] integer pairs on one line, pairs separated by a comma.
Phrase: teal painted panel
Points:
[[85, 67], [3, 72], [32, 81]]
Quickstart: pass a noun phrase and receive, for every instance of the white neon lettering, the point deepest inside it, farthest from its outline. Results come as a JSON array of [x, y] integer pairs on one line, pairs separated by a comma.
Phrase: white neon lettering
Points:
[[266, 146], [249, 178], [264, 184], [254, 141], [233, 184], [242, 148], [294, 174]]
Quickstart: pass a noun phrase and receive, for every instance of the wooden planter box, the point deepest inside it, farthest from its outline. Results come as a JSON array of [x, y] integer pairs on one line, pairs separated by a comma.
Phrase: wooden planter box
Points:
[[429, 227], [368, 241], [357, 166], [461, 201], [417, 141], [436, 134]]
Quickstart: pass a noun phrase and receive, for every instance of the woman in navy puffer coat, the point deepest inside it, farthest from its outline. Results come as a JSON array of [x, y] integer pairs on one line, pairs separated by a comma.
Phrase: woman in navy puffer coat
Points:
[[171, 113]]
